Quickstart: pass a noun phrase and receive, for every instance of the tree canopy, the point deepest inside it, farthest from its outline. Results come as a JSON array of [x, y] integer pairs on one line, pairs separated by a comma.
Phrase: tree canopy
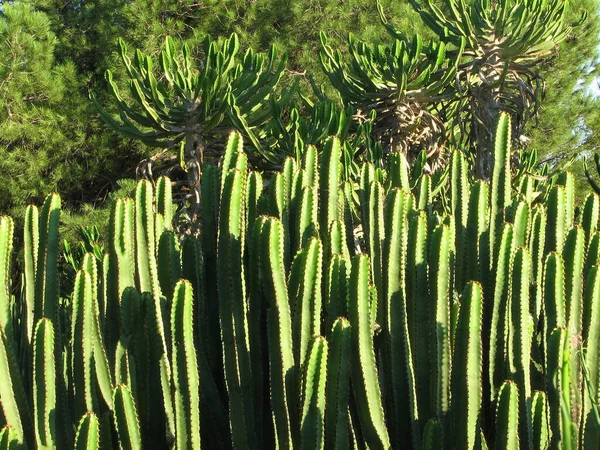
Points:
[[52, 138]]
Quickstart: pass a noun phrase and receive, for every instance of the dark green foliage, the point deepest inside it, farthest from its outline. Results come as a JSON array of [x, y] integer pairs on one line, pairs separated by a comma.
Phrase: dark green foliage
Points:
[[312, 326]]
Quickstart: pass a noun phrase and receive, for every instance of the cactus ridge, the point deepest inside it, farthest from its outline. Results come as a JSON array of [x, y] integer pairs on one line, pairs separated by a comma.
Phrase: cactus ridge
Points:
[[44, 384]]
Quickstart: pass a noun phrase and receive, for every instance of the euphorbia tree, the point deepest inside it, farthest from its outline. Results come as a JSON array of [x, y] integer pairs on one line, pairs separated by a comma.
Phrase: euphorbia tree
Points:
[[405, 84], [505, 42], [192, 106]]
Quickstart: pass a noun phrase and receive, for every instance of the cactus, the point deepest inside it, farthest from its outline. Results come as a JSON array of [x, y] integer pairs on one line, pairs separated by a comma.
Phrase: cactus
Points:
[[281, 346], [365, 380], [9, 439], [30, 243], [126, 419], [44, 384], [332, 348], [507, 417], [6, 243], [591, 343], [232, 308], [337, 432], [185, 368], [88, 432], [520, 337], [306, 296], [467, 368], [313, 410], [541, 430], [440, 296], [395, 312]]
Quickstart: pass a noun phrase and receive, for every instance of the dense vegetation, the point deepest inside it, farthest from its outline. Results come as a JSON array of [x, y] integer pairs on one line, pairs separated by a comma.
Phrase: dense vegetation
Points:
[[463, 317], [356, 247], [52, 138]]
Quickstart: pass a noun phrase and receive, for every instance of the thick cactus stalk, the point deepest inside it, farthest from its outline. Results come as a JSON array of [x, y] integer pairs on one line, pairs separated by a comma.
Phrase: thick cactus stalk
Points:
[[460, 194], [507, 417], [591, 344], [44, 385], [541, 429], [47, 266], [12, 395], [566, 179], [559, 389], [330, 177], [290, 167], [440, 323], [82, 345], [337, 432], [336, 283], [537, 243], [169, 262], [590, 216], [520, 219], [424, 197], [147, 272], [312, 425], [126, 419], [88, 433], [299, 182], [574, 257], [401, 374], [557, 219], [338, 241], [233, 307], [365, 380], [233, 148], [307, 225], [124, 355], [145, 237], [31, 237], [257, 331], [305, 294], [501, 180], [418, 296], [254, 190], [185, 368], [498, 330], [376, 237], [593, 253], [520, 339], [397, 167], [101, 365], [277, 198], [281, 346], [477, 246], [192, 267], [6, 243], [310, 163], [433, 435], [554, 295], [210, 192], [367, 176], [164, 202], [467, 368]]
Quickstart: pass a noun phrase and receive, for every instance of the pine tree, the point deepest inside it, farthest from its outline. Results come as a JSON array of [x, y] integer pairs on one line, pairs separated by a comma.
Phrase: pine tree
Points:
[[50, 139]]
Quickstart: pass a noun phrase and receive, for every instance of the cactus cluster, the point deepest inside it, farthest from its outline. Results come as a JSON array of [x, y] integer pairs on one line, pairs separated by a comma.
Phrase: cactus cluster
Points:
[[462, 316]]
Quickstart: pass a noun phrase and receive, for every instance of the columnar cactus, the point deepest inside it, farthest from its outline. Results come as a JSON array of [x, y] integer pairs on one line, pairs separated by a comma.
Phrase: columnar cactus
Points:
[[299, 331]]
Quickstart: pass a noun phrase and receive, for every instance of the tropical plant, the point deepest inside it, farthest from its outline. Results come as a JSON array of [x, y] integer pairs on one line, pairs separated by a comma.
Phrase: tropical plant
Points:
[[408, 86], [504, 43], [460, 324], [189, 109]]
